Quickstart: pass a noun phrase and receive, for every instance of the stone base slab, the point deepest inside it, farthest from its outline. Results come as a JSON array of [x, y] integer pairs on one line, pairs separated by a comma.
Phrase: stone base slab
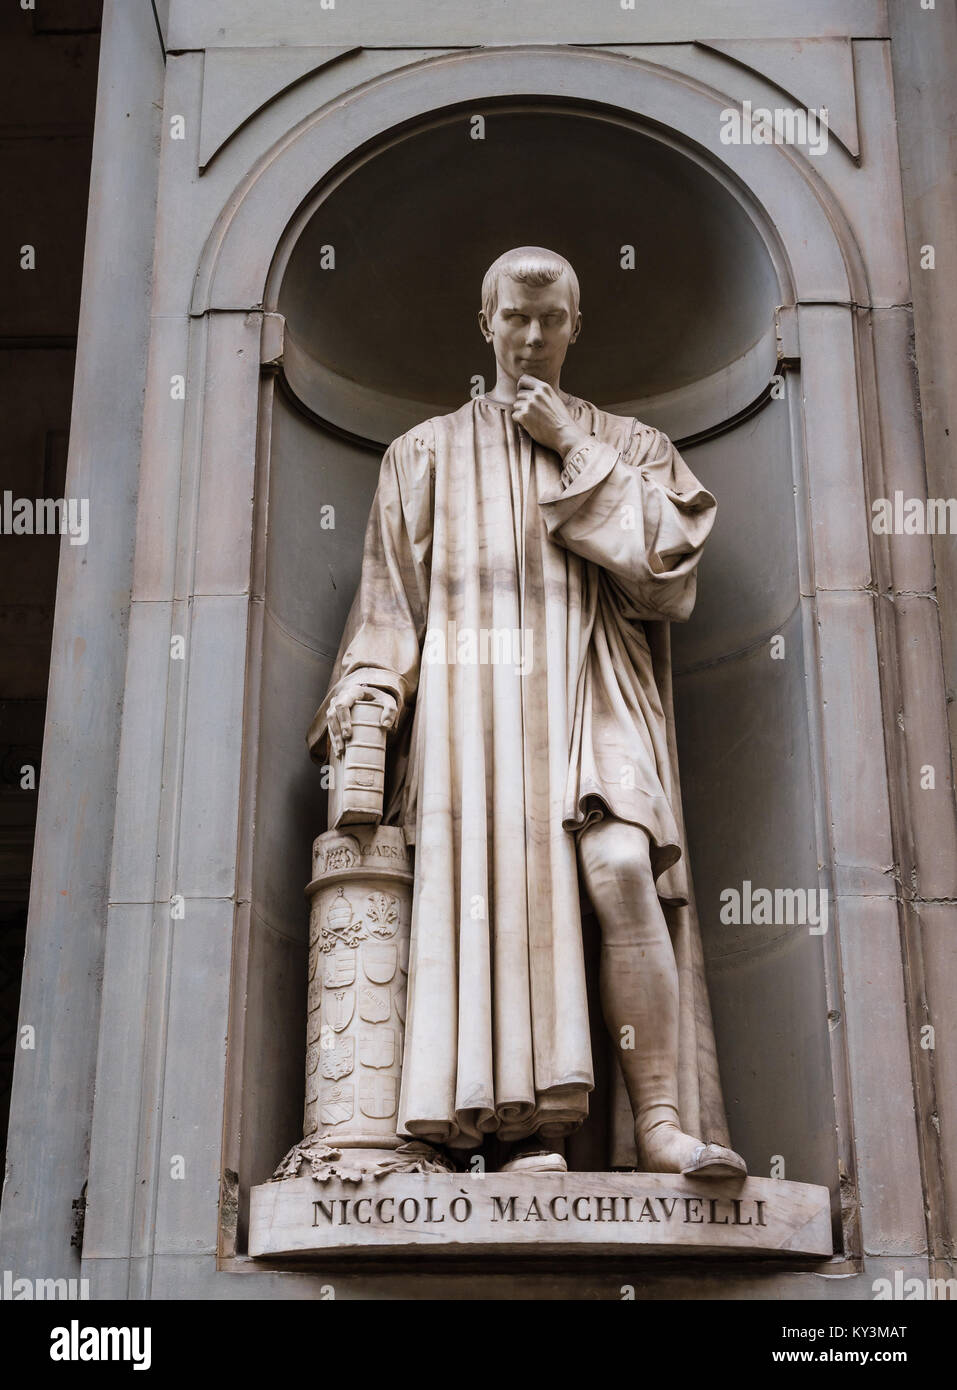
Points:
[[529, 1213]]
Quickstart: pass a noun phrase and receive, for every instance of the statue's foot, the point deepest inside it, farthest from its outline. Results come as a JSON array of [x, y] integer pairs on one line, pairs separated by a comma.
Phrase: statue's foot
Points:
[[534, 1156], [667, 1149], [716, 1161]]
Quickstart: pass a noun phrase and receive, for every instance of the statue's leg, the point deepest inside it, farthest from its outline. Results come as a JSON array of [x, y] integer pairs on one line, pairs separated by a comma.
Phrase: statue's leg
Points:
[[639, 994]]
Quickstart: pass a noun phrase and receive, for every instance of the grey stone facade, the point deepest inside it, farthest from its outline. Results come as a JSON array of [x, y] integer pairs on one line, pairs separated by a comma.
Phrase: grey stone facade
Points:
[[810, 377]]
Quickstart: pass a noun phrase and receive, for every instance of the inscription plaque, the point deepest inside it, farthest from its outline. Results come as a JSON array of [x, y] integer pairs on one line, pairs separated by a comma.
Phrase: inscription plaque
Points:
[[597, 1213]]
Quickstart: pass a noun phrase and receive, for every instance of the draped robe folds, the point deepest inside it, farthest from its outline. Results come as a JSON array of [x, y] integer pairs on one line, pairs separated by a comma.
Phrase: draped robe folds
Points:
[[506, 745]]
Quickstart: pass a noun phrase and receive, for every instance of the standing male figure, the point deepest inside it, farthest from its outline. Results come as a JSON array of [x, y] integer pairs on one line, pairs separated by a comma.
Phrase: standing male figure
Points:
[[521, 780]]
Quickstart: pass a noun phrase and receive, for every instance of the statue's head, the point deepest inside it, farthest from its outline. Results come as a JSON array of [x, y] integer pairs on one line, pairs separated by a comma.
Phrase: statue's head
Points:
[[530, 312]]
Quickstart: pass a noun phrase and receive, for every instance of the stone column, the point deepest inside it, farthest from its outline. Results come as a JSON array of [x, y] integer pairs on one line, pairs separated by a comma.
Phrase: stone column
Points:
[[48, 1157], [359, 926], [361, 896]]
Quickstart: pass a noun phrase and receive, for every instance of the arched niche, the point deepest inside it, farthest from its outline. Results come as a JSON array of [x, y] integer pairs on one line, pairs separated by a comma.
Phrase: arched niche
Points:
[[749, 746], [379, 296]]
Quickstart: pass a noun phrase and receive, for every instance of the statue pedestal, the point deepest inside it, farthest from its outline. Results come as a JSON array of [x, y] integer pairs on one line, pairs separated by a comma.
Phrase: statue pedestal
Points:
[[538, 1214], [355, 1186]]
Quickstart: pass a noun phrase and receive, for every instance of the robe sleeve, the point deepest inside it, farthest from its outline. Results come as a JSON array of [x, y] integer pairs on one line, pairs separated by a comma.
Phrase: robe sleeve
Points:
[[383, 637], [641, 515]]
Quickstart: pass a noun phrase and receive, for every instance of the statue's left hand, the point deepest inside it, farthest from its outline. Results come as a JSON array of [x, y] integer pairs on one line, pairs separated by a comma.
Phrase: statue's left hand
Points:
[[339, 713], [540, 410]]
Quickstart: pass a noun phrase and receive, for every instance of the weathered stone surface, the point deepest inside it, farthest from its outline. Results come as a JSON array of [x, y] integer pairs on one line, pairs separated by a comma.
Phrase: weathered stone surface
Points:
[[844, 219], [241, 23], [237, 83], [47, 1159], [816, 73], [558, 1213], [361, 899]]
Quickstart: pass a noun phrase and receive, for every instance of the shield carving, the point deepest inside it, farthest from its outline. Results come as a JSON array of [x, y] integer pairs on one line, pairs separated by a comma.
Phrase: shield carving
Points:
[[404, 955], [315, 993], [338, 1060], [375, 1005], [377, 1047], [313, 1026], [337, 1103], [315, 926], [312, 1060], [377, 1096], [400, 1003], [340, 968], [378, 962], [340, 1005]]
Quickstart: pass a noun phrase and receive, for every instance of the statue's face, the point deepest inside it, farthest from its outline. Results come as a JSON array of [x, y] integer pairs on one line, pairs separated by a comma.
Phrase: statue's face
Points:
[[531, 328]]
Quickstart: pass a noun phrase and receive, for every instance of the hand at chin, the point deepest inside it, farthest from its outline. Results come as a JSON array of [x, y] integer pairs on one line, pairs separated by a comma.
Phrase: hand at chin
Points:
[[541, 412]]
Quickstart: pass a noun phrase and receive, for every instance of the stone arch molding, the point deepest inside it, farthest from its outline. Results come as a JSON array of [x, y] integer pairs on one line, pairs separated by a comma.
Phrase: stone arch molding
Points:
[[808, 238], [817, 262]]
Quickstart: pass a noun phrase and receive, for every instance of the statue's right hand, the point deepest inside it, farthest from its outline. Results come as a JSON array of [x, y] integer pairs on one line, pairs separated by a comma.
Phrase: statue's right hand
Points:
[[339, 712]]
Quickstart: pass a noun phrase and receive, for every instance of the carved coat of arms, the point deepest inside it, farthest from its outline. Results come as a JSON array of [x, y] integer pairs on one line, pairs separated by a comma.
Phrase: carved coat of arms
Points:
[[339, 1060], [340, 1005], [379, 962], [377, 1047], [375, 1006], [382, 914], [341, 927], [337, 1103], [340, 968], [377, 1096]]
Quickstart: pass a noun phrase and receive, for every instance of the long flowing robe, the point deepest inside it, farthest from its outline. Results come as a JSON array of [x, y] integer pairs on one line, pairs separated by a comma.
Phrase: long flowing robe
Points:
[[519, 614]]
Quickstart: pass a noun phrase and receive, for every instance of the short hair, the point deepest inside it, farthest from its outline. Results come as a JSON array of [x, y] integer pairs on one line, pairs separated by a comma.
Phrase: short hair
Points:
[[530, 265]]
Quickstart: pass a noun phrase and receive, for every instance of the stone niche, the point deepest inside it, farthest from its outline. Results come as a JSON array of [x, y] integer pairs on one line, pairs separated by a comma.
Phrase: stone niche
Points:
[[689, 344]]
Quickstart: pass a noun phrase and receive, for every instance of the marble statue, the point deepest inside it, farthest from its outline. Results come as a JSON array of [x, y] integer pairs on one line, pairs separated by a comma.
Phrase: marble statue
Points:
[[523, 560]]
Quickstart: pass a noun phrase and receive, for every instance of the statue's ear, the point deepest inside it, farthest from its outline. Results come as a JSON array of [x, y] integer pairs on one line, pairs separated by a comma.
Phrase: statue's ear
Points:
[[483, 325], [576, 330]]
